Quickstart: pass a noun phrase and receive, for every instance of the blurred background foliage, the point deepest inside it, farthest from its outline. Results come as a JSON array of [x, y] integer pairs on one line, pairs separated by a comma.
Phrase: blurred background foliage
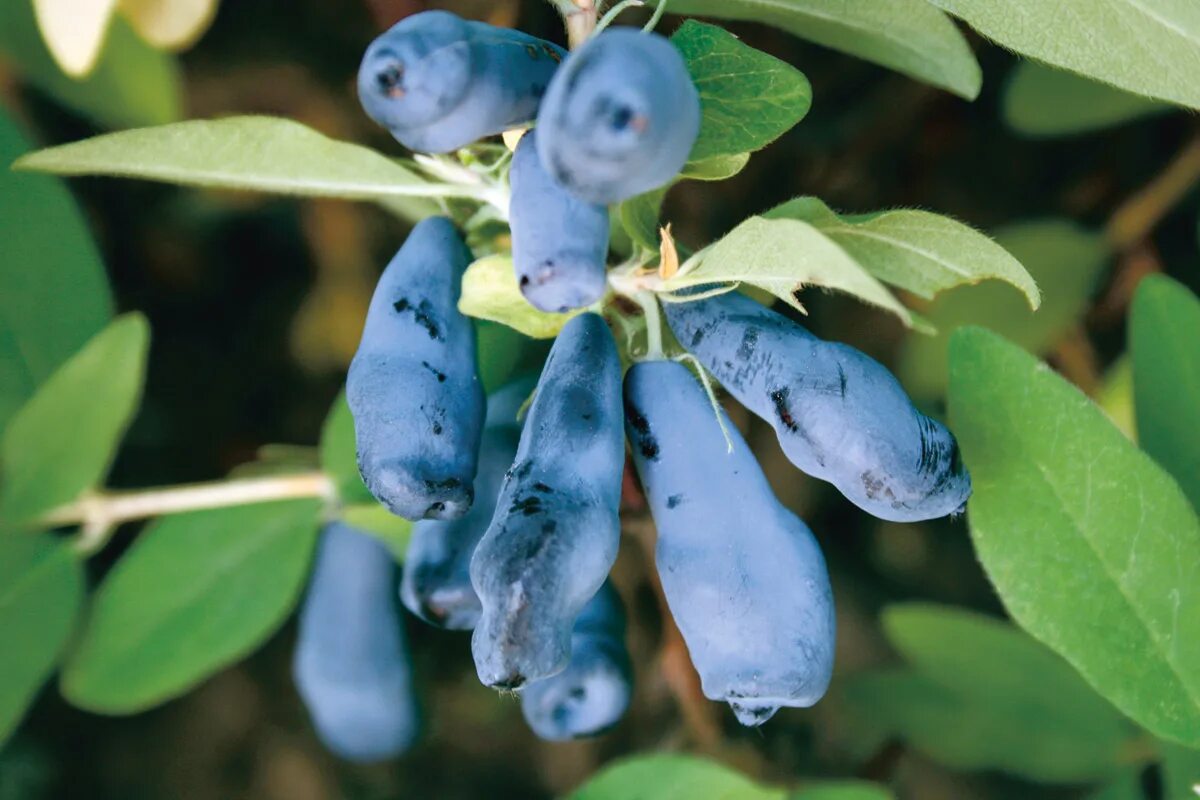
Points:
[[256, 305]]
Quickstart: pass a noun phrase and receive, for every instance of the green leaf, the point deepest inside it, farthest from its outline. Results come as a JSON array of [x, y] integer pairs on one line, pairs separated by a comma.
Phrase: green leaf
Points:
[[1041, 101], [195, 593], [672, 777], [1090, 544], [1053, 729], [1115, 396], [376, 520], [490, 291], [1151, 47], [909, 36], [265, 154], [339, 453], [55, 294], [640, 216], [1066, 262], [41, 591], [918, 251], [1164, 332], [747, 97], [1127, 786], [502, 353], [842, 790], [784, 256], [132, 84], [1181, 773], [61, 442], [717, 168]]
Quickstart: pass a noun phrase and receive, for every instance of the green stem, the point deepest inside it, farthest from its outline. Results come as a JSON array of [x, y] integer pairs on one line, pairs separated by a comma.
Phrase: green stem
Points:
[[613, 13], [99, 514], [654, 339], [652, 23]]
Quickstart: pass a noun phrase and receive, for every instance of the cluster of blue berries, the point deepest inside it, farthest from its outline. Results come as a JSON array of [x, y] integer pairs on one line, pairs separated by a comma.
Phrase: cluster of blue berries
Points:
[[517, 515]]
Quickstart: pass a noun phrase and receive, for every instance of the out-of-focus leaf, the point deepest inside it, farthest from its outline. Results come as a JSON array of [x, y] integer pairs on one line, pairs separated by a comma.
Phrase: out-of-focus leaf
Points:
[[169, 24], [265, 154], [784, 256], [1151, 47], [376, 520], [74, 30], [639, 215], [672, 777], [41, 589], [747, 97], [1054, 728], [1164, 331], [61, 442], [195, 593], [339, 453], [915, 250], [841, 790], [501, 351], [1066, 262], [1181, 772], [1127, 786], [968, 735], [490, 291], [1041, 101], [1116, 396], [1091, 545], [55, 295], [132, 84], [909, 36]]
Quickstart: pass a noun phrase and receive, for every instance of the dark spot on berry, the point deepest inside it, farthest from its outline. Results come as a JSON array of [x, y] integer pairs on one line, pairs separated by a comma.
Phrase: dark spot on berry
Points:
[[780, 398], [749, 343], [422, 315], [437, 429], [527, 506], [441, 376], [550, 51], [543, 488], [549, 526], [532, 52], [646, 443], [697, 337], [674, 500]]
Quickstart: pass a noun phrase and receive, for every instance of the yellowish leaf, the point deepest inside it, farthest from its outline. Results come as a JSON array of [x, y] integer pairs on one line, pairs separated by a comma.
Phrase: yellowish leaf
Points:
[[74, 31], [169, 24], [511, 137], [668, 256]]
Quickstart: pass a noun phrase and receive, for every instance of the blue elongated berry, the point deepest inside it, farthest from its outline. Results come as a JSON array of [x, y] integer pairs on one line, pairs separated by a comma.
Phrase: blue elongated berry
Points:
[[620, 117], [559, 243], [592, 693], [437, 581], [554, 536], [351, 662], [417, 401], [438, 82], [743, 576], [840, 416]]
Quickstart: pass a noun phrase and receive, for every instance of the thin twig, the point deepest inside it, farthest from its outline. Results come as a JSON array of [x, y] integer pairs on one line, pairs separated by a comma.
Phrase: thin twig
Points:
[[99, 514], [1141, 213]]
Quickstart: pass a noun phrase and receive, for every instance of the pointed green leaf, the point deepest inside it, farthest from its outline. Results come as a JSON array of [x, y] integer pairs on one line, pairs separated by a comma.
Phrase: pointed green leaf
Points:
[[747, 97], [784, 256], [61, 442], [264, 154], [918, 251], [1064, 259], [1164, 331], [195, 593], [1055, 728], [490, 291], [1041, 101], [55, 294], [132, 83], [909, 36], [1090, 544], [1151, 47], [41, 590], [672, 777], [717, 168]]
